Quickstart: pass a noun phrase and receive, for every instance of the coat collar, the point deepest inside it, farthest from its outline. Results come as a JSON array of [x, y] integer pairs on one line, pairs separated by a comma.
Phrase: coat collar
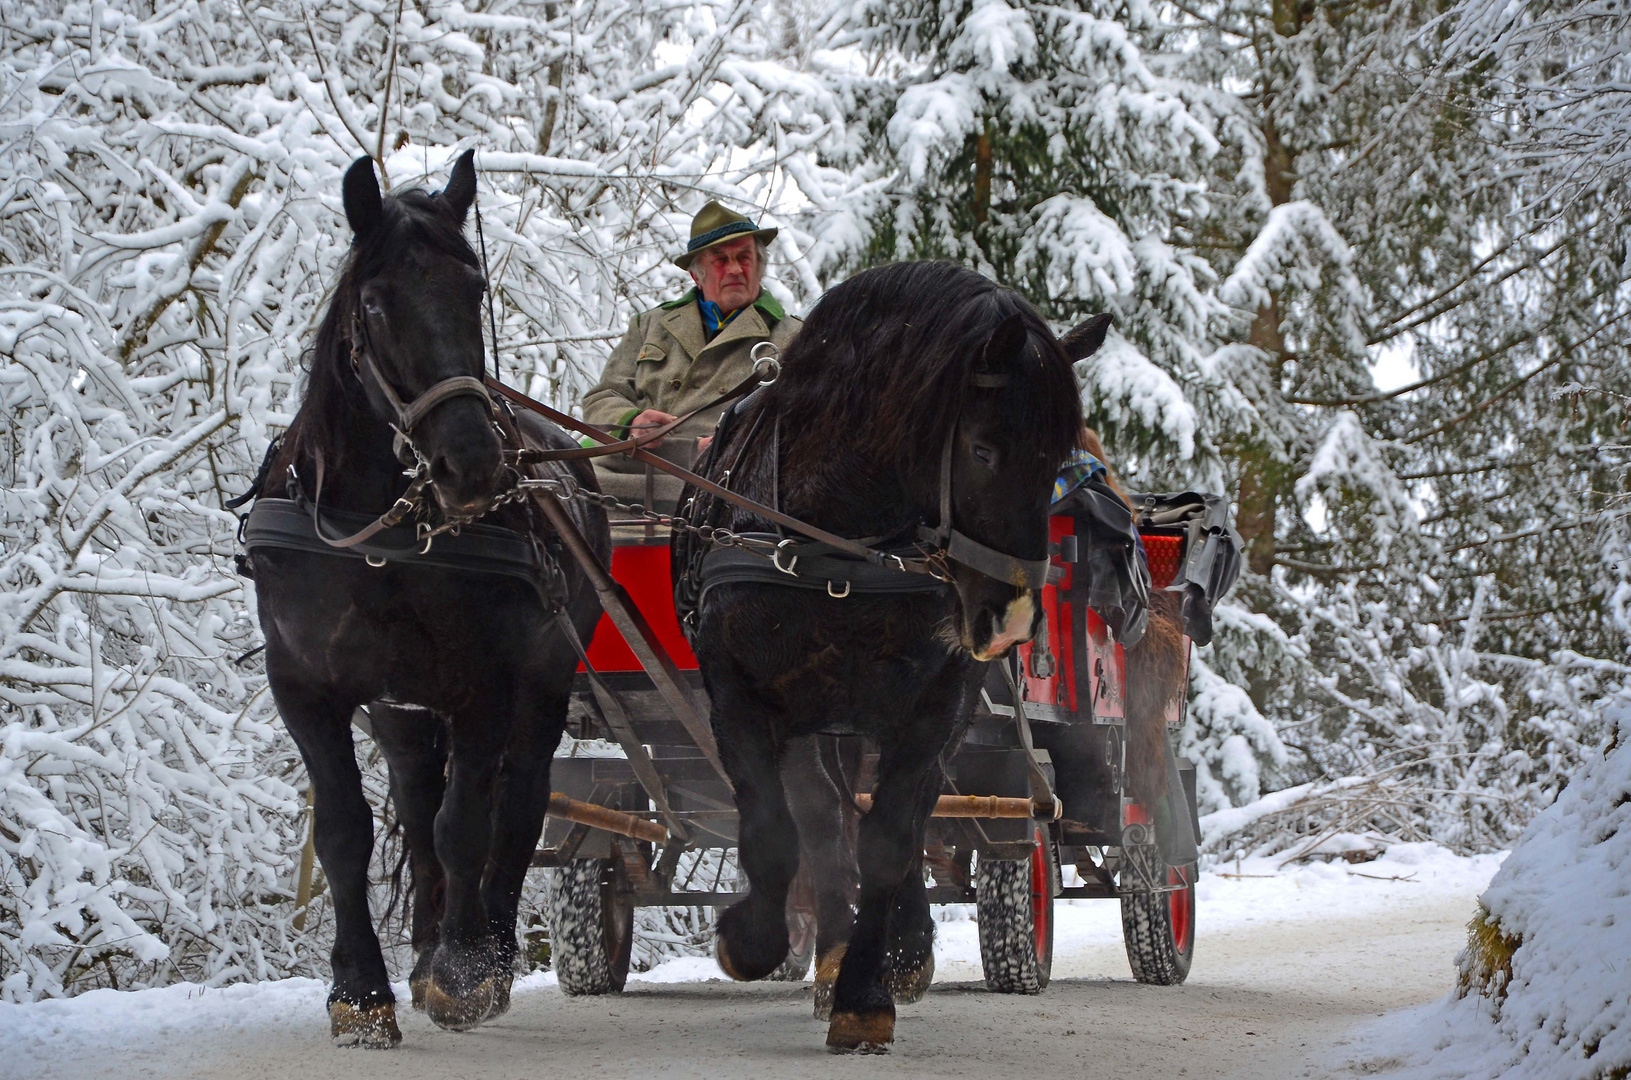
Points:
[[683, 320]]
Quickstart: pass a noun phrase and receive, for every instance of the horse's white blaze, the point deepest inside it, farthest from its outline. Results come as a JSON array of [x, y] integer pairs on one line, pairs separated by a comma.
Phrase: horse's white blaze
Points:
[[1016, 627]]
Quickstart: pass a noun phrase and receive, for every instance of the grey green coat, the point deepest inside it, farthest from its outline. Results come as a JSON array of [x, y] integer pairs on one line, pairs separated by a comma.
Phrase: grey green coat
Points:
[[666, 362]]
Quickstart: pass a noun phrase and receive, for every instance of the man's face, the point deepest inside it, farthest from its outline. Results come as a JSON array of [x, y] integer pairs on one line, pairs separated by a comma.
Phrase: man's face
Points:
[[728, 273]]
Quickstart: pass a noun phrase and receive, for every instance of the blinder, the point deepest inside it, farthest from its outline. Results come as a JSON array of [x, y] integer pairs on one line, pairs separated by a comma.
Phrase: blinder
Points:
[[961, 548]]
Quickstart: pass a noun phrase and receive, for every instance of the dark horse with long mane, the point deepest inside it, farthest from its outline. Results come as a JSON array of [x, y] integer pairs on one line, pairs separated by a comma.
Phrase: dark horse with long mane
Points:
[[465, 673], [914, 393]]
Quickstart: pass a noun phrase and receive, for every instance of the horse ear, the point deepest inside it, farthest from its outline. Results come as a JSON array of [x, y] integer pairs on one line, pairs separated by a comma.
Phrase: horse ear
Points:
[[360, 192], [460, 192], [1083, 341], [1005, 343]]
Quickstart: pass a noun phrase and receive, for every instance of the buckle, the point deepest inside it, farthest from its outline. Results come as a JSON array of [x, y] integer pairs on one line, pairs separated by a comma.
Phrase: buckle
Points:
[[776, 559]]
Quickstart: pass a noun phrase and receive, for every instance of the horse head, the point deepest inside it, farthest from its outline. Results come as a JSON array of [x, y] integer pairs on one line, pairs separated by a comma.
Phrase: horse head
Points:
[[1003, 455], [413, 299]]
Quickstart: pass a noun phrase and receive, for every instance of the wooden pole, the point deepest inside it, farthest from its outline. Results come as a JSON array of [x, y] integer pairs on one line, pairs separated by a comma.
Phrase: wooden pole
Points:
[[601, 817], [972, 806]]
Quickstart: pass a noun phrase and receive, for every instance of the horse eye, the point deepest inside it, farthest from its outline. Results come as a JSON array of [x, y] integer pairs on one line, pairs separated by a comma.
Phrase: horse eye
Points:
[[984, 455], [372, 308]]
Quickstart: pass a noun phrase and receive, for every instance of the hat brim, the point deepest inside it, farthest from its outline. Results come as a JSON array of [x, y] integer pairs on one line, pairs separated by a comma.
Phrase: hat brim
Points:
[[683, 260]]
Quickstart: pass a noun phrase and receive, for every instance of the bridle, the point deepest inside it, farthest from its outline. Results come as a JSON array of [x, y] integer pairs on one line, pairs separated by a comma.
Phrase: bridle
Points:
[[408, 414], [961, 548], [405, 418]]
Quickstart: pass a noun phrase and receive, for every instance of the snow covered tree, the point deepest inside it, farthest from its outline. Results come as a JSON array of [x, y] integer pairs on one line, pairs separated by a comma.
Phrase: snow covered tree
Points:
[[1427, 546]]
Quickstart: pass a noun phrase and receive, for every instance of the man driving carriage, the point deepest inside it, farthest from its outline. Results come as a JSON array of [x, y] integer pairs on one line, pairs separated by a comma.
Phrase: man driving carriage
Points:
[[688, 351]]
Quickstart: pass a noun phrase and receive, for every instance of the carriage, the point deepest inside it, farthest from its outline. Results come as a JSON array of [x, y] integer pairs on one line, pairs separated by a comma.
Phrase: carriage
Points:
[[460, 630], [609, 833]]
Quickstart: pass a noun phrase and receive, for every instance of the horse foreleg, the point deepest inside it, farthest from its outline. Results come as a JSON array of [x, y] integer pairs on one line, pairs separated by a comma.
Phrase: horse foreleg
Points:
[[415, 746], [462, 980], [752, 936], [818, 802], [889, 850], [361, 1006]]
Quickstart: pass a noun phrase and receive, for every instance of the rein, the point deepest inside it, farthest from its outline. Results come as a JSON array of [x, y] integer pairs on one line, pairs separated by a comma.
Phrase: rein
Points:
[[939, 544]]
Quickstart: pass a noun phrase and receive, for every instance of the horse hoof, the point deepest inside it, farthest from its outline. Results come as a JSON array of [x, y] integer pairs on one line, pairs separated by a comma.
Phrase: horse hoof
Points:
[[501, 997], [417, 988], [459, 1014], [863, 1033], [749, 949], [370, 1026], [826, 978], [908, 987], [723, 955]]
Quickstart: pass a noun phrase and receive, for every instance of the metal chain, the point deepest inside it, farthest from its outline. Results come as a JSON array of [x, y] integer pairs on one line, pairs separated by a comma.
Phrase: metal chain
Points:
[[566, 490]]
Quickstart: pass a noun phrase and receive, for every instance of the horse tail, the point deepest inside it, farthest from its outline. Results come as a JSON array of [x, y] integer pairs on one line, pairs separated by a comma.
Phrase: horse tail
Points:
[[1155, 682], [393, 832]]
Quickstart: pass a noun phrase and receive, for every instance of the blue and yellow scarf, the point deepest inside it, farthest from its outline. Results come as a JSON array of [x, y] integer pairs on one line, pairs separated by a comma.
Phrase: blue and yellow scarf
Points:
[[715, 320], [1077, 470]]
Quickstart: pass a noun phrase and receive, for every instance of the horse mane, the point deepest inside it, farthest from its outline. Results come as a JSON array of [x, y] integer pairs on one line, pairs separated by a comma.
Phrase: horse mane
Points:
[[332, 393], [882, 366]]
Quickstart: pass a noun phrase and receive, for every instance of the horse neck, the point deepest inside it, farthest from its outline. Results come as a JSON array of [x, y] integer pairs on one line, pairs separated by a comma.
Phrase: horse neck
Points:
[[844, 487]]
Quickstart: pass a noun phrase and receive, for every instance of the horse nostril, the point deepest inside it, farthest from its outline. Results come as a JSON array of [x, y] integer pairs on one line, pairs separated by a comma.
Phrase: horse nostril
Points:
[[442, 470]]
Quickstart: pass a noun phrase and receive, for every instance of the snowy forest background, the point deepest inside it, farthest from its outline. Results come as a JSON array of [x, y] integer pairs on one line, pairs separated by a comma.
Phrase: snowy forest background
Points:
[[1368, 260]]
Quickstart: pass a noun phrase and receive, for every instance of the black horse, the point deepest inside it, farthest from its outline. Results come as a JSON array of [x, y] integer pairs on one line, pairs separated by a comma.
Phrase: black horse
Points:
[[914, 392], [466, 674]]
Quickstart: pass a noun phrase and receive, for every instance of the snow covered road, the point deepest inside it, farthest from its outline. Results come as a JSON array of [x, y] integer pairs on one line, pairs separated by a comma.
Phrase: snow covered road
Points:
[[1288, 966]]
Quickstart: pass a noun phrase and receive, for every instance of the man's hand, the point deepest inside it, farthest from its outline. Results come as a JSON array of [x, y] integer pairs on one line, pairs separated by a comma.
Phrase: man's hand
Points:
[[704, 442], [651, 418]]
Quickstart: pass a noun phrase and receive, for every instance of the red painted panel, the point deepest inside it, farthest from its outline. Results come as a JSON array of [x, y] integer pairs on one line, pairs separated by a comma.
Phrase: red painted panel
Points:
[[643, 571], [1163, 553]]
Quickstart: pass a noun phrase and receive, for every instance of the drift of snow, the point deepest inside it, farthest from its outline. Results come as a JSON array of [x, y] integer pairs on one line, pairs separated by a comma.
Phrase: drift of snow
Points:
[[1565, 894]]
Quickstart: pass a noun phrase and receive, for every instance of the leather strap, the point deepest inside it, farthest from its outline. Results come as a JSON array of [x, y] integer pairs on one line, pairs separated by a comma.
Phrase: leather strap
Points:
[[840, 543], [639, 442], [486, 549], [409, 414], [404, 505]]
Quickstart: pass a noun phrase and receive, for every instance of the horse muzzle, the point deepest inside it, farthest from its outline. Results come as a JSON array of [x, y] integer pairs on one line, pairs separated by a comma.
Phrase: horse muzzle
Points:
[[1013, 626]]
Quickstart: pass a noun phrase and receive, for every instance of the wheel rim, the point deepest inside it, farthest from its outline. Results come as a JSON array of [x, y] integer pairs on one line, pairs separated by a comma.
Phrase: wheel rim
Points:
[[1178, 906], [1041, 897]]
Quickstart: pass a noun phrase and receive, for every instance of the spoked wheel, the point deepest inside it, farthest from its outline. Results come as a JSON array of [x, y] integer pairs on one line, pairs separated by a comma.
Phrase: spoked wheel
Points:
[[591, 927], [1014, 901], [1159, 927]]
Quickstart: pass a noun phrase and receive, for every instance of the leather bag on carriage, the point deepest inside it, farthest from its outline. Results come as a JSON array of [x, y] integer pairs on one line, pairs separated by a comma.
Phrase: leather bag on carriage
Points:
[[1211, 558], [1109, 558]]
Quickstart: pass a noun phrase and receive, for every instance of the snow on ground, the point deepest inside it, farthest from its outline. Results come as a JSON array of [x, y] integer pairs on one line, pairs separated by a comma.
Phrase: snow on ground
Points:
[[1234, 898], [1556, 992]]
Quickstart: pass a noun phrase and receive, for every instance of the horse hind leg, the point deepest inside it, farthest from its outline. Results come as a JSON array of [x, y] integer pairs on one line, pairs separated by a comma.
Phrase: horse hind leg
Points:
[[518, 821], [361, 1006], [414, 743], [821, 804], [911, 939]]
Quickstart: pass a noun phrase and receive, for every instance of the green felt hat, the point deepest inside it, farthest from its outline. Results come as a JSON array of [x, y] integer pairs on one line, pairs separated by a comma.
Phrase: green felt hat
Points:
[[714, 225]]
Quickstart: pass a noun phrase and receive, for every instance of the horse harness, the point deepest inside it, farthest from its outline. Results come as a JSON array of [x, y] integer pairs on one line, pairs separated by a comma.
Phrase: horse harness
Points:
[[917, 564]]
